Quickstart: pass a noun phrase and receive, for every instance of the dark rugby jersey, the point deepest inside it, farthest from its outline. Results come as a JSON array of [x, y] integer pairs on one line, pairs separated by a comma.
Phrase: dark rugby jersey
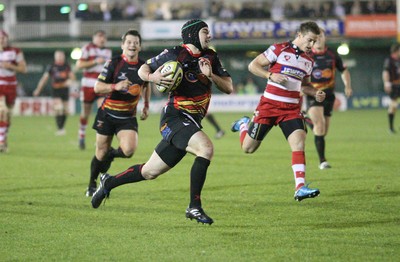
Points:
[[392, 65], [325, 65], [193, 95], [58, 74], [121, 104]]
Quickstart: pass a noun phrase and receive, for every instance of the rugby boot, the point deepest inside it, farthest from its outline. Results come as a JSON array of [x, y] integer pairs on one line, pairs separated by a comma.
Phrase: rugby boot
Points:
[[101, 193], [198, 214], [90, 191], [305, 192], [324, 165], [236, 125], [82, 145]]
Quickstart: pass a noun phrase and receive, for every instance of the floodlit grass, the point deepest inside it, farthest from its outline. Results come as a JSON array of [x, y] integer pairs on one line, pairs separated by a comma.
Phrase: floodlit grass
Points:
[[44, 215]]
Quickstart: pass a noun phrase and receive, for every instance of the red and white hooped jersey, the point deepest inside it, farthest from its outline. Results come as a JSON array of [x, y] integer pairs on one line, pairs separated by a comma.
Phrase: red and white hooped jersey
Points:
[[10, 55], [287, 59], [91, 52]]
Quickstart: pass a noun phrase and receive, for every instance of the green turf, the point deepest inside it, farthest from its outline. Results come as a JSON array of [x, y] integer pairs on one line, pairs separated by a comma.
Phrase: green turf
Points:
[[44, 215]]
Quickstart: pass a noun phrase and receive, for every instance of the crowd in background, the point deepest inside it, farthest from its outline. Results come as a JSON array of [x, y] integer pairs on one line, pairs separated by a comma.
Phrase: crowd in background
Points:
[[275, 10]]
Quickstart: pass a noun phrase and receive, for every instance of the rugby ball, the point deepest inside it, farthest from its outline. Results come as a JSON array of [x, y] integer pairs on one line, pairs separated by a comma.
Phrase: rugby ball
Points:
[[176, 75]]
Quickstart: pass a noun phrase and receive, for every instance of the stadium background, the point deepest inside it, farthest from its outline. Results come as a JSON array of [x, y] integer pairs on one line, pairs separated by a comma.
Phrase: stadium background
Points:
[[41, 26]]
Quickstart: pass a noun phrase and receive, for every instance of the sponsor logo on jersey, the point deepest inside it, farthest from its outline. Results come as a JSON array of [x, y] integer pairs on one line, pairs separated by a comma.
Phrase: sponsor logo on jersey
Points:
[[191, 76], [293, 72], [122, 76]]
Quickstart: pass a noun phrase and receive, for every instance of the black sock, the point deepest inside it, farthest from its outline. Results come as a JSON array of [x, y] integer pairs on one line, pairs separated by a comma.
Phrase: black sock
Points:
[[391, 120], [118, 153], [320, 145], [63, 120], [131, 175], [95, 167], [213, 122], [197, 178], [59, 122]]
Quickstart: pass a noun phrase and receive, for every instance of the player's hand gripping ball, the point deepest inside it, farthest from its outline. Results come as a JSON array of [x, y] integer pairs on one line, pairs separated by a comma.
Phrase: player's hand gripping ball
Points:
[[176, 75]]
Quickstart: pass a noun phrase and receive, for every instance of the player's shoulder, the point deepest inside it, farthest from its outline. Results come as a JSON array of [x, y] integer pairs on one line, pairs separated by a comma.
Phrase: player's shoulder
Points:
[[13, 49], [88, 45], [116, 57], [279, 47], [282, 45], [209, 51], [167, 54]]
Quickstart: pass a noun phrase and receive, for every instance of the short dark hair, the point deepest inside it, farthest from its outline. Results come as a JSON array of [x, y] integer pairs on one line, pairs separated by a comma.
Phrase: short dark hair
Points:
[[134, 33], [99, 32], [309, 26]]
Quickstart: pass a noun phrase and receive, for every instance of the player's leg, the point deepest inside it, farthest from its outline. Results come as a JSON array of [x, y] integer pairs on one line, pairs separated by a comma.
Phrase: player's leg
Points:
[[251, 133], [8, 95], [295, 133], [394, 95], [201, 146], [391, 113], [86, 108], [65, 110], [87, 97], [65, 113], [4, 118], [163, 159], [127, 135], [316, 114], [105, 129], [98, 164], [58, 108], [219, 132]]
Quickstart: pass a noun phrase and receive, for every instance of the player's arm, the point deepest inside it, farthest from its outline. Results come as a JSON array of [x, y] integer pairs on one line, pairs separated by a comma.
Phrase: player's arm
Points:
[[72, 76], [82, 64], [105, 88], [387, 85], [346, 78], [19, 67], [258, 66], [71, 79], [308, 89], [156, 77], [42, 82], [223, 83], [146, 94]]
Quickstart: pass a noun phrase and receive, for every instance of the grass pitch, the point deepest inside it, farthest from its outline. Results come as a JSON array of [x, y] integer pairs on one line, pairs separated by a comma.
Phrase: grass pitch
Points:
[[44, 215]]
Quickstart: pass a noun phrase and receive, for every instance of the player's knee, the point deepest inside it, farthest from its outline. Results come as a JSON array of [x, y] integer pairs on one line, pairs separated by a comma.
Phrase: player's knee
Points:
[[150, 175], [248, 150], [250, 146], [127, 152], [206, 150], [3, 109]]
